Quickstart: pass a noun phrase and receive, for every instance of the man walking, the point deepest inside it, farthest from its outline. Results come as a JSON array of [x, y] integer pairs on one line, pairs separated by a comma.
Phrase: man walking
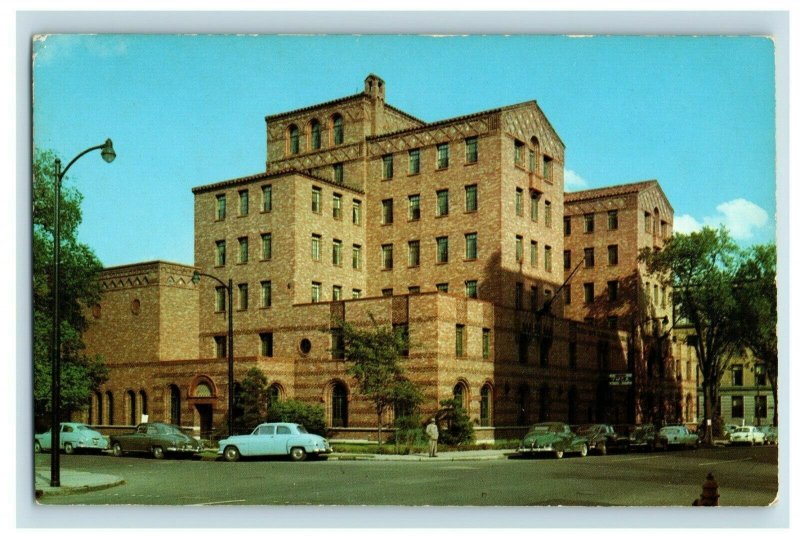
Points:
[[433, 437]]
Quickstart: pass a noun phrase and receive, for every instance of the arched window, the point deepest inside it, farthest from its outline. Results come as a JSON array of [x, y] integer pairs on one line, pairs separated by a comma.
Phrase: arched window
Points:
[[338, 129], [339, 405], [316, 142], [544, 402], [130, 403], [96, 409], [174, 405], [110, 407], [533, 156], [273, 394], [523, 395], [486, 405], [459, 394], [143, 401], [202, 389], [656, 223], [294, 139]]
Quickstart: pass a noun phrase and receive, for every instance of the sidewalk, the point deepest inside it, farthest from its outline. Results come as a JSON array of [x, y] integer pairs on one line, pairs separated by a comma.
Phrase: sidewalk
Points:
[[73, 481]]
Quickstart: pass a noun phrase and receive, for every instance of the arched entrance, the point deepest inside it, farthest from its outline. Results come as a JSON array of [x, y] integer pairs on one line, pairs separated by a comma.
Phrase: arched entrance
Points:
[[203, 395]]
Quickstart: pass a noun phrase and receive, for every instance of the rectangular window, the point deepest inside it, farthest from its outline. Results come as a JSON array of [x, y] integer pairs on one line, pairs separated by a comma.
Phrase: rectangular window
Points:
[[338, 173], [737, 372], [588, 223], [413, 161], [534, 253], [613, 290], [356, 212], [336, 253], [413, 208], [471, 289], [337, 206], [316, 240], [387, 211], [760, 402], [316, 200], [244, 203], [386, 257], [548, 214], [760, 375], [548, 258], [518, 247], [518, 201], [219, 299], [356, 256], [486, 341], [471, 198], [266, 294], [266, 343], [442, 156], [471, 147], [442, 287], [244, 250], [613, 255], [567, 259], [266, 246], [567, 226], [518, 295], [220, 346], [534, 206], [336, 292], [388, 167], [459, 340], [567, 294], [387, 292], [519, 148], [220, 258], [547, 170], [266, 198], [588, 292], [648, 222], [221, 207], [413, 253], [243, 296], [737, 406], [471, 246], [442, 202], [356, 293], [613, 220], [534, 298], [413, 290], [588, 257], [316, 289]]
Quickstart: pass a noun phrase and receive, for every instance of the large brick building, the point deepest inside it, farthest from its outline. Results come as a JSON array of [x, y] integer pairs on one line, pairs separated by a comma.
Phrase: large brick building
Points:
[[451, 229]]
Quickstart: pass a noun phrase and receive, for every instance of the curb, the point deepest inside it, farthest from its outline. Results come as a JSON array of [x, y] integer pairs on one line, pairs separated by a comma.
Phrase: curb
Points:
[[63, 491]]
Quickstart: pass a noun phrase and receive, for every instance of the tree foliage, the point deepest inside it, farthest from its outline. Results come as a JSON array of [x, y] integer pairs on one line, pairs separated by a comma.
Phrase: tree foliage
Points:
[[455, 426], [701, 269], [311, 416], [80, 375], [250, 401], [375, 360]]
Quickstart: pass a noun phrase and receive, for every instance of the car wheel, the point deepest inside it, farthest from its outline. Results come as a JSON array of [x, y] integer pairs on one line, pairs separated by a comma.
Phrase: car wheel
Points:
[[584, 450], [297, 454], [602, 449], [37, 447], [558, 454], [68, 448], [158, 452], [231, 453], [117, 450]]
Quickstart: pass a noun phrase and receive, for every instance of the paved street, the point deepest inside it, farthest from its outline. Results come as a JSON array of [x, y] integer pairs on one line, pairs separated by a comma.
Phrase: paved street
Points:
[[747, 476]]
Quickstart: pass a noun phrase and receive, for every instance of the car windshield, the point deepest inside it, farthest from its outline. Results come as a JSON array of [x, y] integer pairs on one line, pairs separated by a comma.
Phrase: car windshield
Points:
[[742, 429], [169, 429], [546, 428], [301, 429], [85, 428], [586, 429]]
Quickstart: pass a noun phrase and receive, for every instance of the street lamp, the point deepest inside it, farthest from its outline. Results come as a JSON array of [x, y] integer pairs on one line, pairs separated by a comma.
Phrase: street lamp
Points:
[[107, 152], [229, 288]]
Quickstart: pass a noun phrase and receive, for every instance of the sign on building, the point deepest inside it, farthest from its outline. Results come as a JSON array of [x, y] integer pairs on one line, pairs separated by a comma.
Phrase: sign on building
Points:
[[622, 379]]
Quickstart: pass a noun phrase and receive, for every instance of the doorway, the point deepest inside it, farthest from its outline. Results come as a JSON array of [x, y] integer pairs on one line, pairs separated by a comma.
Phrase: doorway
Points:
[[206, 414]]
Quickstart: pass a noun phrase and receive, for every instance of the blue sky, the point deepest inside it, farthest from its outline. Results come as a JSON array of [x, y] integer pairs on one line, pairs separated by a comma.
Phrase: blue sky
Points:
[[696, 113]]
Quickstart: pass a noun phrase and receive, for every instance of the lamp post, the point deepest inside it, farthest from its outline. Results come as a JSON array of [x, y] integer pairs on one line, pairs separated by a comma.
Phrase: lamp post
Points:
[[107, 152], [229, 289]]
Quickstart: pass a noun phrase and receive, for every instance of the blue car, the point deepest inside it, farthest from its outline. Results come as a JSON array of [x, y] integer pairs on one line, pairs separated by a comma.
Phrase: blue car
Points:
[[270, 439], [72, 437]]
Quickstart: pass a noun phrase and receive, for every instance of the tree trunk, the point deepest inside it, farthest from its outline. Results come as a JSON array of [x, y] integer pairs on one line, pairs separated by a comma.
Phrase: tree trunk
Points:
[[380, 427], [708, 411], [774, 383]]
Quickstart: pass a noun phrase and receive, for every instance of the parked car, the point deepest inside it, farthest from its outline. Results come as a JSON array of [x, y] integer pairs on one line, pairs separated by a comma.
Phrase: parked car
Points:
[[748, 435], [72, 437], [274, 439], [679, 436], [555, 438], [602, 438], [157, 439], [647, 437], [770, 434]]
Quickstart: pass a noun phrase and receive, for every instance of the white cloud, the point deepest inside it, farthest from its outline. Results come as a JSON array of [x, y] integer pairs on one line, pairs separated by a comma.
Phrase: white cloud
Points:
[[573, 182], [741, 217]]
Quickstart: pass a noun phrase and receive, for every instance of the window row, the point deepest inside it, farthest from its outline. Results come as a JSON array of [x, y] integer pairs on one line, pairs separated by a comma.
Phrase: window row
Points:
[[442, 158], [612, 252], [336, 206], [534, 196], [442, 208], [533, 253], [313, 134], [656, 294], [612, 222], [470, 289], [612, 292], [533, 297], [460, 340], [221, 207], [336, 252], [537, 162], [442, 251]]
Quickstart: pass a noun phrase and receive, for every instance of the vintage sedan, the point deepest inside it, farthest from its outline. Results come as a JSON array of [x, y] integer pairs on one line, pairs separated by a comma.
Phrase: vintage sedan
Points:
[[770, 434], [72, 437], [555, 438], [647, 437], [272, 439], [679, 436], [747, 435], [602, 438], [157, 439]]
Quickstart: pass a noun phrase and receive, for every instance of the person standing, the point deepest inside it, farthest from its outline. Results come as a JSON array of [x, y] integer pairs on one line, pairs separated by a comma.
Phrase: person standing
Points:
[[432, 431]]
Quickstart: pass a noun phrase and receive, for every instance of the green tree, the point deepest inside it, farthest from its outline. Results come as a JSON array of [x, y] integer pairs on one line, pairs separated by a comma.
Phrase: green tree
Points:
[[311, 416], [375, 357], [250, 401], [701, 269], [457, 426], [757, 314], [80, 374]]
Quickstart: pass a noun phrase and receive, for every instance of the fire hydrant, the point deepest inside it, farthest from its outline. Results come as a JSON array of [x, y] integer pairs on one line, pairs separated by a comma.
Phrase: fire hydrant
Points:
[[710, 495]]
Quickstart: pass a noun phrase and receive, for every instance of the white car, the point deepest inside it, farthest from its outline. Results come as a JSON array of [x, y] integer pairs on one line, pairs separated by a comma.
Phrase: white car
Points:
[[747, 435]]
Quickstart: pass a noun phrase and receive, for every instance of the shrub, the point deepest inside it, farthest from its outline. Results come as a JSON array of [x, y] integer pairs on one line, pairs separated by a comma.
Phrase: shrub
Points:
[[408, 433], [311, 416], [455, 428]]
